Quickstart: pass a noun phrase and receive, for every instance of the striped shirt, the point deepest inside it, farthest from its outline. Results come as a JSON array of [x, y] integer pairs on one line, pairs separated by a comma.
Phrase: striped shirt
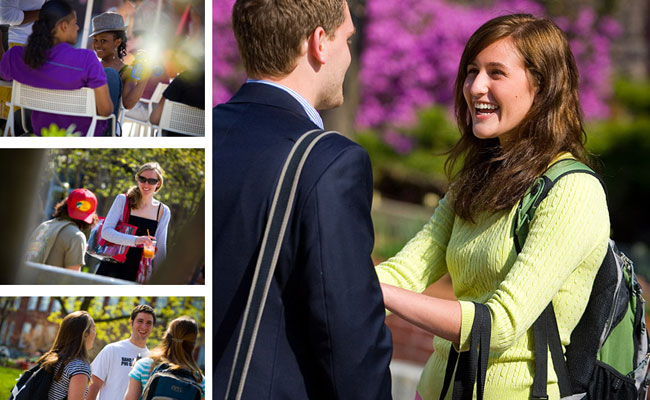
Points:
[[59, 389], [313, 115], [141, 372]]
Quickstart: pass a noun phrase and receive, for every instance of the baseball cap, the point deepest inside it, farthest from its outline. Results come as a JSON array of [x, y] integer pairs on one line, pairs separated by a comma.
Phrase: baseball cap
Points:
[[82, 204]]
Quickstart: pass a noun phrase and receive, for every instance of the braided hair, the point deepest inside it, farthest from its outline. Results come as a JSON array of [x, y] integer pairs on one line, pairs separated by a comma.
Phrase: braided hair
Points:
[[42, 39], [121, 49]]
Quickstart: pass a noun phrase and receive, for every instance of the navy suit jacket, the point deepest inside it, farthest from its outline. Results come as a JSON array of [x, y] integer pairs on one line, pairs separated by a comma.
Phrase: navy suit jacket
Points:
[[322, 334]]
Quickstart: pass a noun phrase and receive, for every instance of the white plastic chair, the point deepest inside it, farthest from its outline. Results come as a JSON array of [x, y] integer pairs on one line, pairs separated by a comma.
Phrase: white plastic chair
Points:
[[181, 118], [148, 127], [78, 103]]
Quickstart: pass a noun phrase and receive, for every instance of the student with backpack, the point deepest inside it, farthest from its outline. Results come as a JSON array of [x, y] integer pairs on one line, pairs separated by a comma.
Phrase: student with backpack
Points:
[[64, 371], [171, 364], [517, 108]]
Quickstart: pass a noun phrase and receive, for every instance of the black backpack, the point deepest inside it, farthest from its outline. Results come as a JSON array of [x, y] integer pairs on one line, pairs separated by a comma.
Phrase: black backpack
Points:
[[608, 355], [167, 383], [33, 384]]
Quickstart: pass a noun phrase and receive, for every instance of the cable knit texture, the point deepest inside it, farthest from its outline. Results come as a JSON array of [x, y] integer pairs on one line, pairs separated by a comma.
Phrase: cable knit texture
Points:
[[564, 248]]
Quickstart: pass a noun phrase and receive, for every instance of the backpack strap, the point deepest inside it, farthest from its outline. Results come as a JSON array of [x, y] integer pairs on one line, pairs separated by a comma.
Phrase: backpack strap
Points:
[[470, 366], [545, 329], [538, 192], [51, 239], [267, 258]]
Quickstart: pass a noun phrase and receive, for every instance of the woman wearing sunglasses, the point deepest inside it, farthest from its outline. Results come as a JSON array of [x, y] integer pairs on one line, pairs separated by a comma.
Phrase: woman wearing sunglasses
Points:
[[149, 215]]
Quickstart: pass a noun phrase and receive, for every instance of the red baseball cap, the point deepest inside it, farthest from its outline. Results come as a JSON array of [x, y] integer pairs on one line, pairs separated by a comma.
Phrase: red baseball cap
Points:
[[82, 204]]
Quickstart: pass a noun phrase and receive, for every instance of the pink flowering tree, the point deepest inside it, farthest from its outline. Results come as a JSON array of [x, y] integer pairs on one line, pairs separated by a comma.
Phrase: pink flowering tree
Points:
[[410, 54], [227, 70], [412, 49]]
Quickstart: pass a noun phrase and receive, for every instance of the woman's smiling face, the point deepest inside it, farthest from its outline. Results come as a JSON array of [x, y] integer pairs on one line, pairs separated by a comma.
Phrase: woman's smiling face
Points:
[[498, 90], [147, 188], [105, 45]]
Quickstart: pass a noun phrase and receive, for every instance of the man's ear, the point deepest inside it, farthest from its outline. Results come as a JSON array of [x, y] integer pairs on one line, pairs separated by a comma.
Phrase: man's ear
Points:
[[316, 44]]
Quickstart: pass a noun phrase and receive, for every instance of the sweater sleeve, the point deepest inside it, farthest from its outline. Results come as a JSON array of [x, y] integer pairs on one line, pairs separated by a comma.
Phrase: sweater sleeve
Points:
[[161, 235], [112, 219], [422, 260], [570, 229]]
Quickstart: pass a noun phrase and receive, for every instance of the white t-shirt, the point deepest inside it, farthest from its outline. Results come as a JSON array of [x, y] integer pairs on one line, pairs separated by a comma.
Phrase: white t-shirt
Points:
[[113, 364]]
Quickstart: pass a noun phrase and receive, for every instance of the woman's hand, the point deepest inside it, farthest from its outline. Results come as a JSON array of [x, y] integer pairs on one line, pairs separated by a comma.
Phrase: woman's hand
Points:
[[143, 240], [77, 387]]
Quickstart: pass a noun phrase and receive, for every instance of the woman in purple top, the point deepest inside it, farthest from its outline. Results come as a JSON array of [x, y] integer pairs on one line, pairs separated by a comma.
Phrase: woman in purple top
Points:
[[50, 62]]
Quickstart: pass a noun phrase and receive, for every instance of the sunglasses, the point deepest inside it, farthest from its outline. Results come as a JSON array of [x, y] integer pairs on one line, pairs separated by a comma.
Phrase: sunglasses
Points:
[[151, 181]]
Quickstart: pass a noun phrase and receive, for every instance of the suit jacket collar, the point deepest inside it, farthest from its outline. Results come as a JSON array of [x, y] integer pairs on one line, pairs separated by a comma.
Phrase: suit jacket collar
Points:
[[268, 95]]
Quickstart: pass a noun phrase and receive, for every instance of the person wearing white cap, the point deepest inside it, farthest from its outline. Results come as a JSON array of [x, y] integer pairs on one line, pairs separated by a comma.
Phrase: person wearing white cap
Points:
[[60, 241]]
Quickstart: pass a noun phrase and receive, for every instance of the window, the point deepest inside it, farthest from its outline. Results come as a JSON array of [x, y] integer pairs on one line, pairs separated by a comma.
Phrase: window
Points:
[[31, 306], [3, 332], [17, 303], [10, 333], [56, 306], [44, 304], [24, 335]]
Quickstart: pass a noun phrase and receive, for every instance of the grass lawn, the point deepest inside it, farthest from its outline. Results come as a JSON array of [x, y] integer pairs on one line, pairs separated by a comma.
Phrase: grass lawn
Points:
[[8, 378]]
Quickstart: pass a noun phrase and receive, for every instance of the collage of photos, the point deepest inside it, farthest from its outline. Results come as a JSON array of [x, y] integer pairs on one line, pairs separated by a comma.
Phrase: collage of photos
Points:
[[104, 277], [363, 200]]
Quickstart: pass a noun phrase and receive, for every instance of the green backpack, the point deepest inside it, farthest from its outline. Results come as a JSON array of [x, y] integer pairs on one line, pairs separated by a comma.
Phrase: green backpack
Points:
[[608, 355]]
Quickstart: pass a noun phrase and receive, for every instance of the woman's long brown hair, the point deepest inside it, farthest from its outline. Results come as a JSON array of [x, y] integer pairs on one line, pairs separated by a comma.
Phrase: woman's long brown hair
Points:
[[177, 346], [70, 342], [493, 178]]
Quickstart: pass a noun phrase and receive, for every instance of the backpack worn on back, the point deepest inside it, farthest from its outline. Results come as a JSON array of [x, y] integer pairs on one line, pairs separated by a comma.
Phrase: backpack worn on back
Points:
[[608, 354], [166, 383], [32, 385]]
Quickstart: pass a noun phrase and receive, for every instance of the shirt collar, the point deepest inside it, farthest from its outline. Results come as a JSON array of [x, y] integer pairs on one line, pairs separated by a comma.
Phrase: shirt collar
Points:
[[313, 115]]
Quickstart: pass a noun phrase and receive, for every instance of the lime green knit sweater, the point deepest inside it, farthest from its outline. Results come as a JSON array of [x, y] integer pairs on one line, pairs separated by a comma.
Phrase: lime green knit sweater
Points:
[[565, 246]]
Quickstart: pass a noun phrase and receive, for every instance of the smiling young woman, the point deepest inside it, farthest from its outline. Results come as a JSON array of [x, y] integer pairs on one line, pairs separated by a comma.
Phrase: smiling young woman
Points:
[[517, 111], [149, 215]]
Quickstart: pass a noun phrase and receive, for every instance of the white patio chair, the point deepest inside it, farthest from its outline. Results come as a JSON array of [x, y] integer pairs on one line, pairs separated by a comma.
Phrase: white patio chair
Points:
[[143, 124], [78, 103], [181, 118]]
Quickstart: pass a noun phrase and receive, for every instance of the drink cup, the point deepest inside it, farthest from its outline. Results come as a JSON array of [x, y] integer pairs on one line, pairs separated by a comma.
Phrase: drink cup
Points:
[[149, 251]]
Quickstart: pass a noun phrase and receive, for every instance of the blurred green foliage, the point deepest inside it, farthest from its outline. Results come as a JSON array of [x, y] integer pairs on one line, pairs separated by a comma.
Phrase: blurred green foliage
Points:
[[423, 167], [622, 148]]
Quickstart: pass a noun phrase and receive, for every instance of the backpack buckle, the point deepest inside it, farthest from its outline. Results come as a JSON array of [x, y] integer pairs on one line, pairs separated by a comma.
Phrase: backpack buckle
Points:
[[539, 397]]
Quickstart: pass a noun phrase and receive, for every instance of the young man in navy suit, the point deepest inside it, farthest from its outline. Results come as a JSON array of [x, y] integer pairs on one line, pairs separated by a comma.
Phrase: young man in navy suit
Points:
[[322, 334]]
